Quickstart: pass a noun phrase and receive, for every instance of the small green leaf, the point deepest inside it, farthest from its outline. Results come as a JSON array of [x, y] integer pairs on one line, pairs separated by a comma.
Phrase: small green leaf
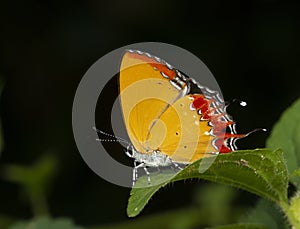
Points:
[[286, 135], [46, 223], [262, 172]]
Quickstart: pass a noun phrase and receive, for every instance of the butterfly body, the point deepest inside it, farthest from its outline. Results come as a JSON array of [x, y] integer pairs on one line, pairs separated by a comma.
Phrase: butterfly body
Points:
[[152, 159]]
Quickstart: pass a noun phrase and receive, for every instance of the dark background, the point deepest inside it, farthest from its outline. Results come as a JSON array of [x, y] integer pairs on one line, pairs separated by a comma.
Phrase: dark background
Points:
[[46, 47]]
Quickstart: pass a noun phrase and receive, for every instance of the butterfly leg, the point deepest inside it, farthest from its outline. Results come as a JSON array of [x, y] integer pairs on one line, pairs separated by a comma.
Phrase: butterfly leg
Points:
[[148, 174], [135, 171], [176, 165]]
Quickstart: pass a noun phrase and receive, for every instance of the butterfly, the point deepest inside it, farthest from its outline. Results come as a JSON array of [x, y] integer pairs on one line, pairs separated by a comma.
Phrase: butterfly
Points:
[[170, 118]]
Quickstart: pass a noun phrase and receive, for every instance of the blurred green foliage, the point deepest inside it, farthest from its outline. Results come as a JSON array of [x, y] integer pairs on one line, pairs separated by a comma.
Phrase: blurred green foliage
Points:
[[35, 180], [211, 205], [46, 223], [266, 213]]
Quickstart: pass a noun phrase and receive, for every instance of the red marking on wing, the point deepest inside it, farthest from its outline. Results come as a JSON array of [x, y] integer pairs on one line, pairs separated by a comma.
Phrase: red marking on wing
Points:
[[155, 64], [220, 142], [220, 128], [202, 104]]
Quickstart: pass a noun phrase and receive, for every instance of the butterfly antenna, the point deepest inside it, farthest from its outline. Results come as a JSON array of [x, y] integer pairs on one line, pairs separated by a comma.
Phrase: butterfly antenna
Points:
[[116, 138], [255, 130]]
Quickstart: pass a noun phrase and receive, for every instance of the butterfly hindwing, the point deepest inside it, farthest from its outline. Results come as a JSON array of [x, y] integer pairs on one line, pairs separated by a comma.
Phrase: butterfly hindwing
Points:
[[187, 138]]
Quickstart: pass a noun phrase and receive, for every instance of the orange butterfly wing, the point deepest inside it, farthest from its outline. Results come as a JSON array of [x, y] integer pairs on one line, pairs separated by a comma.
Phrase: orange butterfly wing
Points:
[[160, 115]]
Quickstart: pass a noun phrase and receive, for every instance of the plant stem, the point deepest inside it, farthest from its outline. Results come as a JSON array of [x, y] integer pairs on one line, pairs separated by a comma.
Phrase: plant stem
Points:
[[291, 214]]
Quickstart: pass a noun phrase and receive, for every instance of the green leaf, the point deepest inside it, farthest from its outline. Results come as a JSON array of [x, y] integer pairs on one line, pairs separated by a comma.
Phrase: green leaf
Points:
[[262, 172], [286, 135], [46, 223], [265, 213]]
